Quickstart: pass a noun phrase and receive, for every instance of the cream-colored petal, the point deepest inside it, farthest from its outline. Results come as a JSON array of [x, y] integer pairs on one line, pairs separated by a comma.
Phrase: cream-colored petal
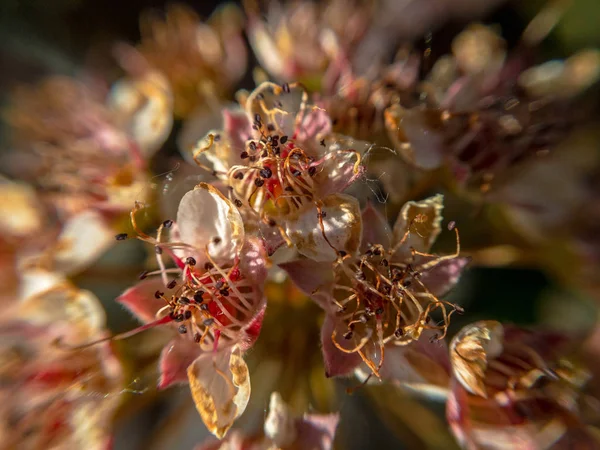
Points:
[[84, 238], [341, 228], [470, 351], [205, 214], [220, 386], [422, 220]]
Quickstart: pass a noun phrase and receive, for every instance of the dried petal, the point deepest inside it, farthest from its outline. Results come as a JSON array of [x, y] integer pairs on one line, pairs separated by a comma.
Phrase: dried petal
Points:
[[220, 386], [470, 351], [422, 220], [341, 228]]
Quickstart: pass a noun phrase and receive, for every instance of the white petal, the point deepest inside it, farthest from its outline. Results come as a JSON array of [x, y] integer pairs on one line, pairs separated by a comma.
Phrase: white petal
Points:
[[342, 228], [205, 214], [84, 238]]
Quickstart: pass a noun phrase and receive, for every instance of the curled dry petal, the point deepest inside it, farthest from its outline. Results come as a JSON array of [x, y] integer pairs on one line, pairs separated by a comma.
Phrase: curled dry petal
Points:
[[338, 227], [470, 351], [205, 214], [220, 387], [422, 220]]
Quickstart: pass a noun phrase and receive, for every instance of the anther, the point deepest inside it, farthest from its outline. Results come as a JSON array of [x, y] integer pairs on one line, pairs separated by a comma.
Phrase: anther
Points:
[[187, 315], [322, 214], [172, 284], [121, 236], [219, 284], [216, 240], [143, 275], [257, 118], [208, 266], [379, 311], [348, 335], [259, 182], [158, 294], [167, 223], [208, 322], [312, 170], [451, 225], [238, 175], [286, 88], [197, 337], [237, 202], [190, 261], [182, 329], [266, 172], [198, 296], [399, 333], [179, 318], [252, 146], [204, 306], [322, 142], [183, 301], [271, 127], [283, 139], [158, 250], [244, 154], [224, 292], [217, 137]]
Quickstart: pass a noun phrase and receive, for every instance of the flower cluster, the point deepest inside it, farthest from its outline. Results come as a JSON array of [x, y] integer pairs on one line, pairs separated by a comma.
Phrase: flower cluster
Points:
[[314, 200]]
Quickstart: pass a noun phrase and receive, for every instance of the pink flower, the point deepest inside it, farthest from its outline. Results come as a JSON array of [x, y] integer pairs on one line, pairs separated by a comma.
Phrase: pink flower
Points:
[[286, 172], [307, 41], [214, 303], [383, 295]]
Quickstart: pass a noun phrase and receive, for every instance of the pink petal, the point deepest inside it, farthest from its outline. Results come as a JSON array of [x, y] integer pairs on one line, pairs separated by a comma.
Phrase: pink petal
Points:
[[315, 125], [315, 279], [316, 431], [443, 277], [237, 127], [337, 363], [376, 229], [140, 299], [175, 358], [253, 261], [252, 330]]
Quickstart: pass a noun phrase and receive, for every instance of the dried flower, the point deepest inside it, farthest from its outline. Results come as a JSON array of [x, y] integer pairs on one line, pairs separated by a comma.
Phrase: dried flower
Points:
[[386, 292], [286, 170], [215, 307], [514, 388]]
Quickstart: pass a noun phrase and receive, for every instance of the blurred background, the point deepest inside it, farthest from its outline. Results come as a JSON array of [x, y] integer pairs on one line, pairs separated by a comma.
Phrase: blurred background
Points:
[[530, 286]]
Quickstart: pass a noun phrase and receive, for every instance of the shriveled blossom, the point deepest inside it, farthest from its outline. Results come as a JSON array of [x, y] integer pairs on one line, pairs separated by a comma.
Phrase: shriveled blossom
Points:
[[307, 41], [285, 171], [385, 294], [203, 61], [515, 388], [485, 111], [212, 299], [52, 395], [283, 430]]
